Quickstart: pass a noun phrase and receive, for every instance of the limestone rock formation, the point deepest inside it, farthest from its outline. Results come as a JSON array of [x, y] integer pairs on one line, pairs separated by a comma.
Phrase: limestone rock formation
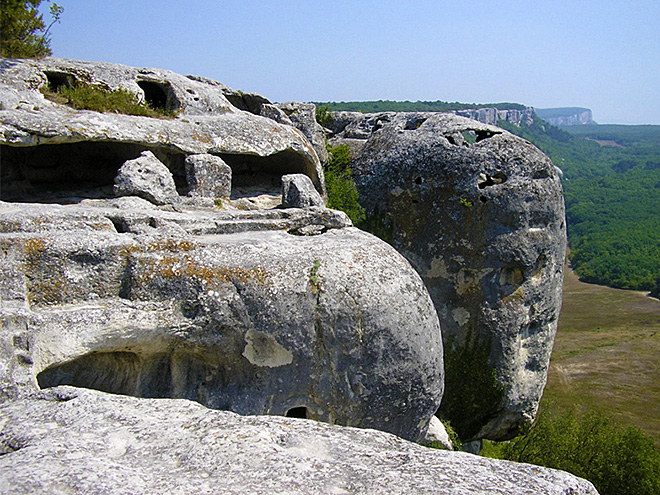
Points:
[[298, 192], [45, 143], [148, 178], [480, 214], [303, 117], [491, 115], [208, 176], [216, 307], [211, 302], [81, 441]]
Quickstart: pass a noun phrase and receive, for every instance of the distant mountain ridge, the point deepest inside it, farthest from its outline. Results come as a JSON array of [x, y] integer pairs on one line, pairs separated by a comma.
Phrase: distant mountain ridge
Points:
[[566, 116]]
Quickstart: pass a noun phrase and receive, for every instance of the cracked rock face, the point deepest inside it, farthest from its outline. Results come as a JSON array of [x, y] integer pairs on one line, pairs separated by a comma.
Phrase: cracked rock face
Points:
[[480, 214], [226, 308]]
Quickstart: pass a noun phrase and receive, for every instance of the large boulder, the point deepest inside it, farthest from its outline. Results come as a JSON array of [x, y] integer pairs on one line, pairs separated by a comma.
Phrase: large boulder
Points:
[[81, 441], [480, 214], [46, 143], [226, 308], [148, 178]]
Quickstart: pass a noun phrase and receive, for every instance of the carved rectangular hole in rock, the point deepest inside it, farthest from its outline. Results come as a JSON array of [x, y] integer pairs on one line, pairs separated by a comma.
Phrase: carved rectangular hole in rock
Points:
[[297, 412], [265, 172]]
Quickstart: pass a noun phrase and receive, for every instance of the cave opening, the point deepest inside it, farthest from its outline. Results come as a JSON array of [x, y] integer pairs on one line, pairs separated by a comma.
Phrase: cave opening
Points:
[[58, 80], [68, 172], [297, 412], [159, 95], [253, 174]]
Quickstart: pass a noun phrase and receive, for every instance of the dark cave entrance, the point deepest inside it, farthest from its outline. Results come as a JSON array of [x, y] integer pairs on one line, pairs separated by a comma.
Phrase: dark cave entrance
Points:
[[69, 172], [297, 412], [159, 95], [72, 171]]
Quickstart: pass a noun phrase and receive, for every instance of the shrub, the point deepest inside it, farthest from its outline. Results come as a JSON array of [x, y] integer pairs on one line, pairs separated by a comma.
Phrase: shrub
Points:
[[615, 459], [342, 193], [87, 97], [323, 115], [472, 393]]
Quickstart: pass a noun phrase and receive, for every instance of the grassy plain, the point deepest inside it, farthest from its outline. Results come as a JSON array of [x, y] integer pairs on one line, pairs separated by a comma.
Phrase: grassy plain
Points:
[[607, 355]]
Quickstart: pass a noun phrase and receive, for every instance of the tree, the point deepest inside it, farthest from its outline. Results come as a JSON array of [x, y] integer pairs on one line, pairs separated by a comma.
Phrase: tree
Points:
[[616, 459], [23, 33]]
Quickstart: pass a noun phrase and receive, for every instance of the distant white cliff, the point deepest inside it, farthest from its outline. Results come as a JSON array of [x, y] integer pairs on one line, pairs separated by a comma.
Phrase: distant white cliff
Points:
[[566, 116]]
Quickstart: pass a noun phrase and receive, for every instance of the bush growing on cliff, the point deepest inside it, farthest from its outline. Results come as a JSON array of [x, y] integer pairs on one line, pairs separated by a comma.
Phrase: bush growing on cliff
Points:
[[86, 97], [472, 392], [323, 115], [342, 193], [615, 459], [23, 31]]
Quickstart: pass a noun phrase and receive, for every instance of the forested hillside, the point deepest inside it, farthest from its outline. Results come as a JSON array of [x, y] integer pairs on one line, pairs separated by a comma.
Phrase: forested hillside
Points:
[[612, 189], [411, 106]]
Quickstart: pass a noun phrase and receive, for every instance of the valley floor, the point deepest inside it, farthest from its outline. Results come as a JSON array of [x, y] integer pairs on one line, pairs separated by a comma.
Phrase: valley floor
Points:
[[607, 354]]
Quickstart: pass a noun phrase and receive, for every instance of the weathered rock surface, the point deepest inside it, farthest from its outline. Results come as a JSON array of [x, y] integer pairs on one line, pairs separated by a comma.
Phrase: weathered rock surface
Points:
[[46, 143], [225, 308], [81, 441], [480, 214], [208, 176], [148, 178], [265, 311], [303, 117], [298, 192], [437, 434]]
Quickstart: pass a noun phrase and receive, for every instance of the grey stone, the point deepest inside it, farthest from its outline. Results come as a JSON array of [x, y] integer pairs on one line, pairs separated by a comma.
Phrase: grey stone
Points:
[[303, 117], [437, 434], [480, 214], [222, 307], [298, 192], [81, 441], [208, 176], [148, 178]]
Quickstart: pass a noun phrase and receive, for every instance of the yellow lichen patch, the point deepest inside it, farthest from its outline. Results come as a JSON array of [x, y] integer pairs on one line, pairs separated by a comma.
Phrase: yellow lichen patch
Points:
[[9, 226], [202, 137], [517, 297], [44, 281], [33, 246], [176, 245], [172, 267]]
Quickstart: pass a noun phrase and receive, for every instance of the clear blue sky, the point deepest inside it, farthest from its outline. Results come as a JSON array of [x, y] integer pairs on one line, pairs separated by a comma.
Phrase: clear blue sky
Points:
[[599, 54]]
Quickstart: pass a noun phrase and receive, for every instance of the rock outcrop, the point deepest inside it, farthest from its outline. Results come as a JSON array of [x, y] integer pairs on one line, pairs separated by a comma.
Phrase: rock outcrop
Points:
[[491, 115], [566, 116], [153, 294], [215, 296], [81, 441], [47, 144], [221, 308], [479, 213]]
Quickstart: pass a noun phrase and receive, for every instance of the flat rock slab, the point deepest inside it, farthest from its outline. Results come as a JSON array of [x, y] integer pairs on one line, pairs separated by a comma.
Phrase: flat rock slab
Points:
[[81, 441]]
